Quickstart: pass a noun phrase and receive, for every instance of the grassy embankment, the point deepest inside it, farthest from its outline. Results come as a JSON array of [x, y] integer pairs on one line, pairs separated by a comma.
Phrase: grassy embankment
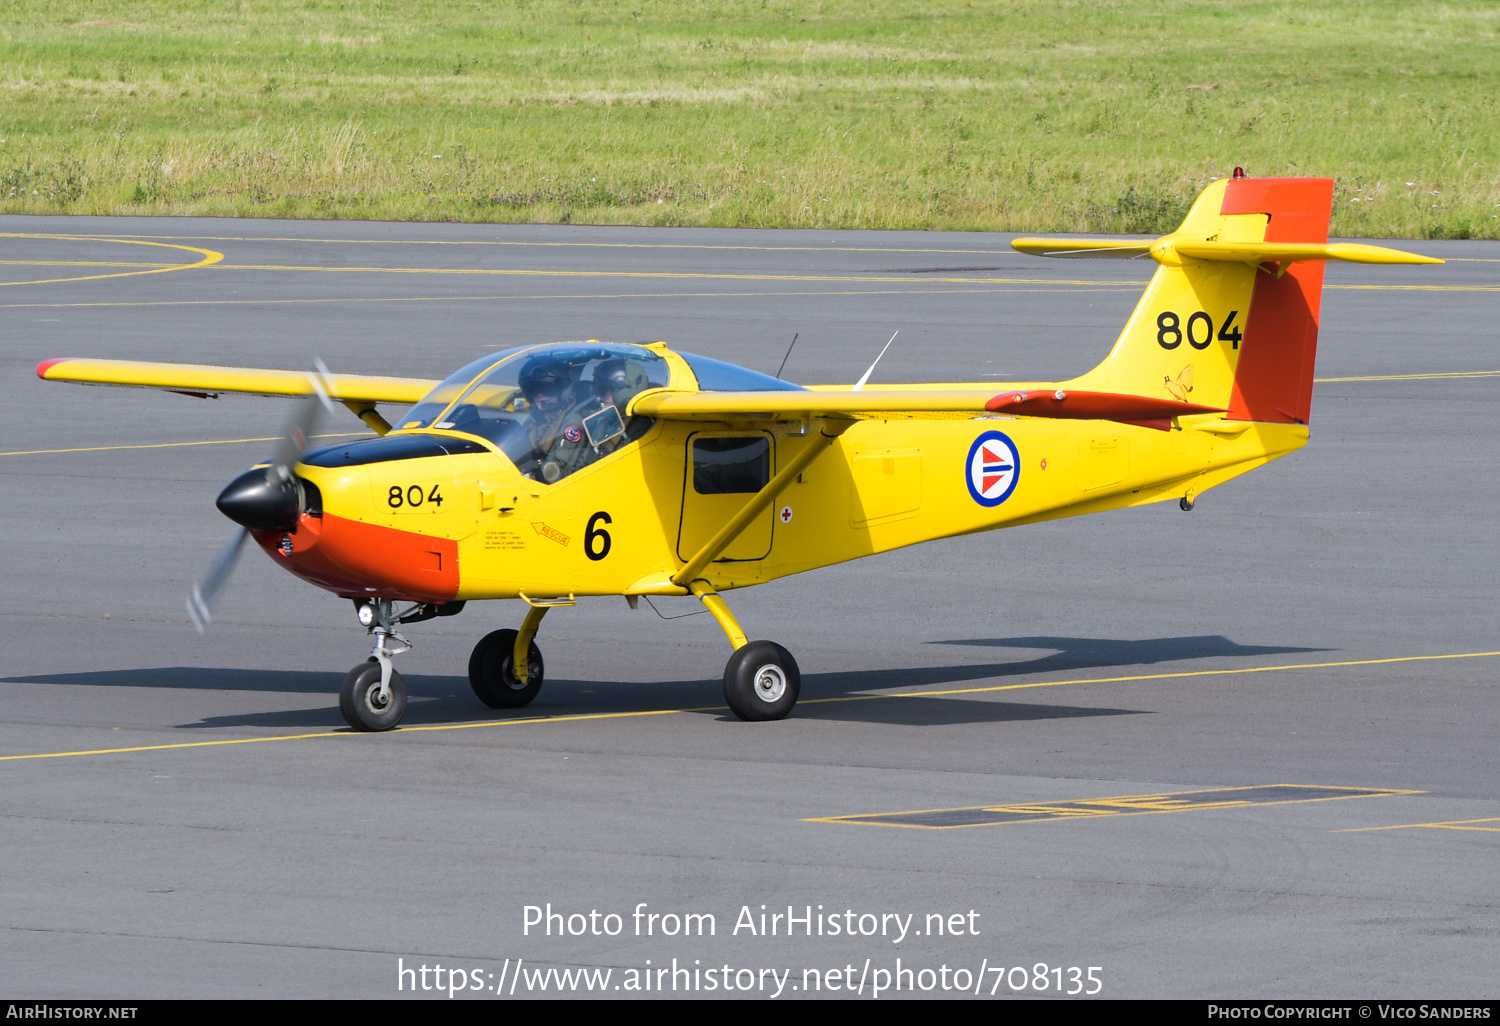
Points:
[[1027, 116]]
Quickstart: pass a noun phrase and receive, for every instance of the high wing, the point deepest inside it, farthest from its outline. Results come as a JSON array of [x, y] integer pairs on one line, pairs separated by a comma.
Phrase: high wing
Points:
[[917, 404], [205, 380], [888, 404]]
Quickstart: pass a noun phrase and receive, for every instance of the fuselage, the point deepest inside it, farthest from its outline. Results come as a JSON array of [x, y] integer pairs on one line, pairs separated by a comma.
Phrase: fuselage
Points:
[[435, 514]]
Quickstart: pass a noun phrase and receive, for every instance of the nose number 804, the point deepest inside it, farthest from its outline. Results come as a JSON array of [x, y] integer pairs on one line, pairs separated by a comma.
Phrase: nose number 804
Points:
[[413, 496]]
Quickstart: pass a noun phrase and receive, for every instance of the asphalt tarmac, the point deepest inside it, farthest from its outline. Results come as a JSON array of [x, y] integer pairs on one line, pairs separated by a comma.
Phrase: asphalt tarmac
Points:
[[187, 816]]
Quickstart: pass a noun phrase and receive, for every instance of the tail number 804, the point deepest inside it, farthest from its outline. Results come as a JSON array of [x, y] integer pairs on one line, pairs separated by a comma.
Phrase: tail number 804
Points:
[[1198, 330]]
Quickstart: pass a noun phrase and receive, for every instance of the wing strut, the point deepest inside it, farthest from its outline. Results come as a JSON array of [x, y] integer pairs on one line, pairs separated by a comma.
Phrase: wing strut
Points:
[[828, 432]]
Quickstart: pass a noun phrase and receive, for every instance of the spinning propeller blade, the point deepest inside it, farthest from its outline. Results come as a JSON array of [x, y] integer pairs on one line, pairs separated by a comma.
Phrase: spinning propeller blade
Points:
[[263, 498], [299, 428], [204, 592]]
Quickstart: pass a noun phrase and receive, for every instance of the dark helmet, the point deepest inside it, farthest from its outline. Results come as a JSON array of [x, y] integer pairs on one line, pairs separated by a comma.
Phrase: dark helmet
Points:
[[544, 375], [618, 381]]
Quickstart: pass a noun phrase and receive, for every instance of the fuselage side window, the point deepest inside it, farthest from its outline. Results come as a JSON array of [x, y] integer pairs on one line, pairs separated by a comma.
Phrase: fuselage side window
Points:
[[723, 466]]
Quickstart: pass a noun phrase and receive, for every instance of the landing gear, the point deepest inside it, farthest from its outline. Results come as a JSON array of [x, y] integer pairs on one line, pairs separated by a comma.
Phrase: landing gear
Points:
[[505, 669], [374, 695], [370, 704], [761, 681], [492, 672]]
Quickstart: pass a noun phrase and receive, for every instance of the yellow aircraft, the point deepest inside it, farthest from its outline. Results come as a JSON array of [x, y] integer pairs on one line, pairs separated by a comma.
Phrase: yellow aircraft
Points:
[[551, 472]]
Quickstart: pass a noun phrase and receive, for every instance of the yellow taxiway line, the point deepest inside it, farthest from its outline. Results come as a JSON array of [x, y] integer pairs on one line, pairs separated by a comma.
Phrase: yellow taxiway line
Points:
[[209, 257], [1119, 805], [531, 272], [213, 258], [82, 263], [1155, 676], [744, 276], [1416, 377], [567, 245], [1007, 252], [1418, 288], [168, 445], [715, 708], [551, 296], [1455, 824]]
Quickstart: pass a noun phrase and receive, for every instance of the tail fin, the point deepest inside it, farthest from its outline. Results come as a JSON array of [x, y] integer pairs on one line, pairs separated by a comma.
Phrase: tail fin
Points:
[[1230, 319]]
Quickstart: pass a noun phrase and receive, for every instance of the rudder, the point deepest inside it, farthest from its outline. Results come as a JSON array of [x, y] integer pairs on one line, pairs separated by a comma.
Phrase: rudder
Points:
[[1274, 379]]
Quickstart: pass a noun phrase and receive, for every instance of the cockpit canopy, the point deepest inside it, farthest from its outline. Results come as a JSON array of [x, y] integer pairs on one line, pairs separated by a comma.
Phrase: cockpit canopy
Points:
[[551, 409], [555, 409]]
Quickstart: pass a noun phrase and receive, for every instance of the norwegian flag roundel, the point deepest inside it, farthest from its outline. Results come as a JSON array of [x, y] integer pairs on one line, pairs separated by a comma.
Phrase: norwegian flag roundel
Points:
[[994, 466]]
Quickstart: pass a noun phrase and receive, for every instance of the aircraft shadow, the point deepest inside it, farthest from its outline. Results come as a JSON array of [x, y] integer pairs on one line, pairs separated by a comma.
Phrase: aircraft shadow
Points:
[[702, 698], [945, 712], [197, 678], [1099, 653], [446, 699]]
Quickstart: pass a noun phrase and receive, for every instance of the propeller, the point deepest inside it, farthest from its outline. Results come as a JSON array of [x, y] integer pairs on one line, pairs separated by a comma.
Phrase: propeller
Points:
[[267, 498]]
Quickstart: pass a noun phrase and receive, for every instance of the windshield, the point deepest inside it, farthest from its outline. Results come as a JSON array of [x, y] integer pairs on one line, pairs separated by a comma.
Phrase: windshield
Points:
[[556, 409], [440, 398]]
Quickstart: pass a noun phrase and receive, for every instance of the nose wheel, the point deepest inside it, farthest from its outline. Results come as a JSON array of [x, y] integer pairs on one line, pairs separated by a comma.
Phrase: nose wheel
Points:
[[367, 705], [374, 695]]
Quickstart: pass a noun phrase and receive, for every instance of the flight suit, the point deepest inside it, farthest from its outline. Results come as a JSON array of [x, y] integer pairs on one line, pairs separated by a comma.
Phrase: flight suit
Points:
[[543, 431], [570, 450]]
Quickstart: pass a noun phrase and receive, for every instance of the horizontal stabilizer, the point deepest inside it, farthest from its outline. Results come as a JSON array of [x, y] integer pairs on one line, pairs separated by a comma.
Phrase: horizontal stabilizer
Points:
[[1144, 411], [1169, 249], [204, 380], [1085, 249], [1291, 252]]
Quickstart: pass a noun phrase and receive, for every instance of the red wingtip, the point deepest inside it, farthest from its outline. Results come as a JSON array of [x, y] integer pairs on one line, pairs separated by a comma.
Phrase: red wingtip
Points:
[[46, 365]]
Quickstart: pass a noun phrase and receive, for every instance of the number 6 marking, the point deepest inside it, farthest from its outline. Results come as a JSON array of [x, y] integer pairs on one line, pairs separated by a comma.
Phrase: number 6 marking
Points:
[[593, 532]]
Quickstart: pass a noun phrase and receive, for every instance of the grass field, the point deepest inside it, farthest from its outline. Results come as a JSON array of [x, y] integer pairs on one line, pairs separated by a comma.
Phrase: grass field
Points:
[[1029, 116]]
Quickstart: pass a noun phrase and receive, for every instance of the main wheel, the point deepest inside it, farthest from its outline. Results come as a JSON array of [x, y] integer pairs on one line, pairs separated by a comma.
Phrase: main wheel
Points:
[[360, 701], [761, 681], [493, 677]]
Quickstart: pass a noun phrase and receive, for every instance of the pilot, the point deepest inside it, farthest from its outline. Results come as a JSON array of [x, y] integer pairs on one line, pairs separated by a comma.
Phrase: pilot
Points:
[[544, 382], [619, 381], [584, 436]]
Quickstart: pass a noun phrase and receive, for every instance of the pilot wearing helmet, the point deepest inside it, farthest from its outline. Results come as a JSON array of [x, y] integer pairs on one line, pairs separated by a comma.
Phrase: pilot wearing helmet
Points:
[[544, 382], [596, 426], [618, 381]]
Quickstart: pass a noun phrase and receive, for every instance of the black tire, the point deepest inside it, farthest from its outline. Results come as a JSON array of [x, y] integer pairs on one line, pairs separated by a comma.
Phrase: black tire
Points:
[[360, 703], [762, 682], [491, 674]]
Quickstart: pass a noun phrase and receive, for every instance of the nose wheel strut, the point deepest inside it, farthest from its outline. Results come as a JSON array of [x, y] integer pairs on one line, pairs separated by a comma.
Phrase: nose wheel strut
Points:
[[373, 696]]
